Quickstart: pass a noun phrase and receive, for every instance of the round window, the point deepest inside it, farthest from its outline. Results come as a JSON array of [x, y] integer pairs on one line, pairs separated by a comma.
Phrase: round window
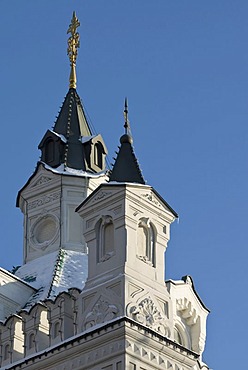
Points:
[[44, 231]]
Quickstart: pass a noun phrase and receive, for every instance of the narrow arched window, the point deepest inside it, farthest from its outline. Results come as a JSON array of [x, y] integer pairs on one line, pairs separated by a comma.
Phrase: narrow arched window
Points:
[[108, 237], [178, 336], [56, 330], [98, 154], [105, 239], [152, 250], [142, 239], [31, 341], [6, 352], [146, 241]]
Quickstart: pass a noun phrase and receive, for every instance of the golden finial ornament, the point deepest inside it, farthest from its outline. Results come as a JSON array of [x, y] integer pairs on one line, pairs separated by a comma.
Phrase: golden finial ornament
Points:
[[73, 45]]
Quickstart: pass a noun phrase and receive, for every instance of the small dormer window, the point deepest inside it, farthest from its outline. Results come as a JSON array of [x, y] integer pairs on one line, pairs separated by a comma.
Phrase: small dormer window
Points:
[[98, 155], [49, 151]]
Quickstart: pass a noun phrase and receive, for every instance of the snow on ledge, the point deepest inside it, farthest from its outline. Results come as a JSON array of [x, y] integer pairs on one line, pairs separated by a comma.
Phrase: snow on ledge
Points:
[[60, 135], [64, 170]]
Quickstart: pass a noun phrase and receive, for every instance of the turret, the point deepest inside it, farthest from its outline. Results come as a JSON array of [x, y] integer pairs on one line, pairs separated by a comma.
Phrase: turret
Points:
[[71, 166]]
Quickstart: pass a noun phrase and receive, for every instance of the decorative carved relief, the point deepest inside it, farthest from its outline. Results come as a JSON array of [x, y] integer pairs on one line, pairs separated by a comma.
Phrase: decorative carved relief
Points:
[[44, 200], [102, 312], [186, 311], [41, 180], [147, 314], [151, 198], [101, 195]]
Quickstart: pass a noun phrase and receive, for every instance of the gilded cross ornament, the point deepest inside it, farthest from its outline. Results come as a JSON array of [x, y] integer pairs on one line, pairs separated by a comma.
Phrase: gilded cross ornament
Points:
[[73, 45]]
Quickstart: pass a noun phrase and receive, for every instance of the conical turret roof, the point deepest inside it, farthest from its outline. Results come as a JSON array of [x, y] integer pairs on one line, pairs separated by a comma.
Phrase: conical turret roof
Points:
[[71, 121], [73, 125], [126, 167]]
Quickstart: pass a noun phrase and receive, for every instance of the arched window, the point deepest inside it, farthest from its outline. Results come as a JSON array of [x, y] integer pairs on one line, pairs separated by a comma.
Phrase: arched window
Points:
[[6, 352], [98, 154], [178, 336], [152, 249], [143, 238], [56, 330], [146, 241], [31, 341], [105, 238]]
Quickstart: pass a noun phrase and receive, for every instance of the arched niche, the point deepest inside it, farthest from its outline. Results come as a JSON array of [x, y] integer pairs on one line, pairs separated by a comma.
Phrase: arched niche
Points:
[[146, 241], [105, 238]]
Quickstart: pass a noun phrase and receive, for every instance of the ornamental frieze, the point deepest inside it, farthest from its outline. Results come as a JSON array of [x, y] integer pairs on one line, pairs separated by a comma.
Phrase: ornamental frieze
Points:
[[44, 200]]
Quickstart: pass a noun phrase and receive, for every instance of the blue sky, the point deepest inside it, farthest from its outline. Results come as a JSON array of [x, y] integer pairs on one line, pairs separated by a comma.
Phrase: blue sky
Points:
[[184, 67]]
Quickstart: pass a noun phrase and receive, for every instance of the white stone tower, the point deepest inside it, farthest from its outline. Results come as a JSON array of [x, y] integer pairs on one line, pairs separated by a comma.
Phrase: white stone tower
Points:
[[72, 165], [127, 228]]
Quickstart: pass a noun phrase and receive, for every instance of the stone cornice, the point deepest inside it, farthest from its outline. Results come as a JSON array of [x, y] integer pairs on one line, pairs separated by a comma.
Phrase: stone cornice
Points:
[[123, 324]]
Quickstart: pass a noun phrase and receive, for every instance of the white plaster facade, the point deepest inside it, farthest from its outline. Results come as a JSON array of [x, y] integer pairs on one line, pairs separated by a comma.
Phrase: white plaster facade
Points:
[[14, 293], [126, 317], [123, 315], [48, 202]]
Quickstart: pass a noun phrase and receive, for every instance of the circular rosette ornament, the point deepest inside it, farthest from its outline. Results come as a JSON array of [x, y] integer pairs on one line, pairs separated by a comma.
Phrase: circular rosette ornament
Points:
[[147, 314]]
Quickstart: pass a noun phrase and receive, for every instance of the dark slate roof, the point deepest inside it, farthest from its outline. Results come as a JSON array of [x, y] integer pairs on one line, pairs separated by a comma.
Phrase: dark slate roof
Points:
[[71, 121], [72, 124], [126, 167]]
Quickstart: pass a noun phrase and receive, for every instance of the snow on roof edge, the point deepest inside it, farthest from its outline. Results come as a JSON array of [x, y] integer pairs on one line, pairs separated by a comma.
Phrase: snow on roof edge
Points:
[[64, 170]]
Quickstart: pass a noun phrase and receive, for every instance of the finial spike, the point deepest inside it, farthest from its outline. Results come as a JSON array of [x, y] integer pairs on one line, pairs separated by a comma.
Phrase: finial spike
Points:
[[73, 45], [126, 121], [126, 104], [125, 112]]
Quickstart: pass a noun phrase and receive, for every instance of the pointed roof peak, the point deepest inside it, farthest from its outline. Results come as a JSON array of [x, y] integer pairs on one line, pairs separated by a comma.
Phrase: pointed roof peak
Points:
[[71, 121], [126, 167]]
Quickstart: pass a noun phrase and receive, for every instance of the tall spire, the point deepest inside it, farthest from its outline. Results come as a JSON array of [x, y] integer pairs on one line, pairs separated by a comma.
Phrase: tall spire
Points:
[[73, 45], [126, 167]]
